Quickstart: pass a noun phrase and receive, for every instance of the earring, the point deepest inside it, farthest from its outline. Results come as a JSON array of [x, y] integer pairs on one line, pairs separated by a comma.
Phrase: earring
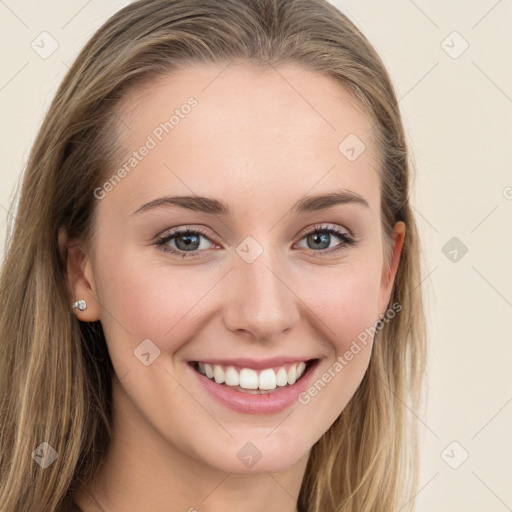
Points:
[[80, 305]]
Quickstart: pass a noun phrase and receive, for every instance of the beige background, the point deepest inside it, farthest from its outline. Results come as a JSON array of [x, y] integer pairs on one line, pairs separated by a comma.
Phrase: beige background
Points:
[[458, 113]]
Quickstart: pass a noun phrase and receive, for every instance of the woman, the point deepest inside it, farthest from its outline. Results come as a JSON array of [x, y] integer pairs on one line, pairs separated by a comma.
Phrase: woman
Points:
[[173, 336]]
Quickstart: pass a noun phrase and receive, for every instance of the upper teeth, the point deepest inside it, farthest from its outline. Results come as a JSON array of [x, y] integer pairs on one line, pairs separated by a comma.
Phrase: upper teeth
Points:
[[248, 378]]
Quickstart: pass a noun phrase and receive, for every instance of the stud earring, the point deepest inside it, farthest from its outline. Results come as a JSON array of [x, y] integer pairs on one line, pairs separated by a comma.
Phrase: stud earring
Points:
[[80, 305]]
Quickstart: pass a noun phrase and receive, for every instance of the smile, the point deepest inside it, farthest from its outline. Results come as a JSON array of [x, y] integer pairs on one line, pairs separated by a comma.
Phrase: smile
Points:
[[251, 380], [250, 386]]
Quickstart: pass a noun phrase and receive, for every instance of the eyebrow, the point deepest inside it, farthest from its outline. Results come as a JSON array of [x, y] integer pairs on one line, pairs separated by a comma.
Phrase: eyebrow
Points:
[[216, 207]]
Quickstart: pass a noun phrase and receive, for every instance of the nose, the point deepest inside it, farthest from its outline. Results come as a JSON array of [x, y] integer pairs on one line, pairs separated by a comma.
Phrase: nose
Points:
[[259, 300]]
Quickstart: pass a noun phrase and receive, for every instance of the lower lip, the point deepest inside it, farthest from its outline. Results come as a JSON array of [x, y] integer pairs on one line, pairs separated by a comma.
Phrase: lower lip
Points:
[[247, 403]]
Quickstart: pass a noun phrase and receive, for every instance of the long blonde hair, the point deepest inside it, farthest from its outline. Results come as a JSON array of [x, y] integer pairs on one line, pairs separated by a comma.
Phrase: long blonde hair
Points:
[[55, 372]]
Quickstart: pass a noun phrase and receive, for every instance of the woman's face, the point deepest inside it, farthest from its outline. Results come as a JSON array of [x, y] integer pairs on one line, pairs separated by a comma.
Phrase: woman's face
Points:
[[255, 289]]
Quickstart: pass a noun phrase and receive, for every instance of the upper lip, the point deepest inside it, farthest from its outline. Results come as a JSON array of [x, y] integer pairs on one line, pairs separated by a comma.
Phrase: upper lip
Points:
[[256, 364]]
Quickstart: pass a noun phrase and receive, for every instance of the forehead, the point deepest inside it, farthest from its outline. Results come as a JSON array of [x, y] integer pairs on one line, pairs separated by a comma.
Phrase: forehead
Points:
[[251, 132]]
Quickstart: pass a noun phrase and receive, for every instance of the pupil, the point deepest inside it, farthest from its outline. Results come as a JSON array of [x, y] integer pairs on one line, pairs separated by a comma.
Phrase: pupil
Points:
[[187, 241], [322, 239]]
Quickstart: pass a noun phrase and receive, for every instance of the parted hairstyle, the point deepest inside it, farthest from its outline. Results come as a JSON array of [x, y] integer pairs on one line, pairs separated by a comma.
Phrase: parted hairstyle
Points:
[[55, 371]]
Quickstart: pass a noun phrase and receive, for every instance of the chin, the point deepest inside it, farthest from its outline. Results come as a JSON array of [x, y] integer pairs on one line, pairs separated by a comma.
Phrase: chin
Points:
[[256, 454]]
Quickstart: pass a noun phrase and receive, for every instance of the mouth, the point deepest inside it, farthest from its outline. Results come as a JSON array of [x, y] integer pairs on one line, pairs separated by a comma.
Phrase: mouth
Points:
[[257, 387], [245, 379]]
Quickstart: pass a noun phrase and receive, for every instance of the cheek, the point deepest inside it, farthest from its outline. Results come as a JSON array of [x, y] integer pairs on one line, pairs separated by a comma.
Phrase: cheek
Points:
[[346, 307], [141, 299], [346, 302]]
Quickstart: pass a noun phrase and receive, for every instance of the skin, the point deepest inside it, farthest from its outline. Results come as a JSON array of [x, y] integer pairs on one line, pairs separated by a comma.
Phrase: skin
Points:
[[260, 141]]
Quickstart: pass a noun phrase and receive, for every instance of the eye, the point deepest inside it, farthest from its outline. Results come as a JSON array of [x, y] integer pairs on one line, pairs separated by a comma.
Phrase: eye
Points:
[[322, 236], [186, 242]]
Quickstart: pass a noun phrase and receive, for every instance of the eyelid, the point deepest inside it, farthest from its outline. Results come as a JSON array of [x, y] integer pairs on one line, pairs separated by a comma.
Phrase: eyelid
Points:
[[167, 236], [345, 235], [324, 227]]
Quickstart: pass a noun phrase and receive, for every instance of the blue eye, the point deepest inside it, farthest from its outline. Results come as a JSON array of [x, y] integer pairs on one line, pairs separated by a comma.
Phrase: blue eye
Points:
[[323, 236], [188, 242]]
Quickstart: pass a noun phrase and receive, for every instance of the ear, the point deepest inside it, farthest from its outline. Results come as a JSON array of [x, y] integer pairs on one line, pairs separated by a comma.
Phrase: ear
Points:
[[80, 278], [389, 271]]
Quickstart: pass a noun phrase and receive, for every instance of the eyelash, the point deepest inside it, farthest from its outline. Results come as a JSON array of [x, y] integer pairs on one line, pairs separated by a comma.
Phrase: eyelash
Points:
[[347, 240]]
